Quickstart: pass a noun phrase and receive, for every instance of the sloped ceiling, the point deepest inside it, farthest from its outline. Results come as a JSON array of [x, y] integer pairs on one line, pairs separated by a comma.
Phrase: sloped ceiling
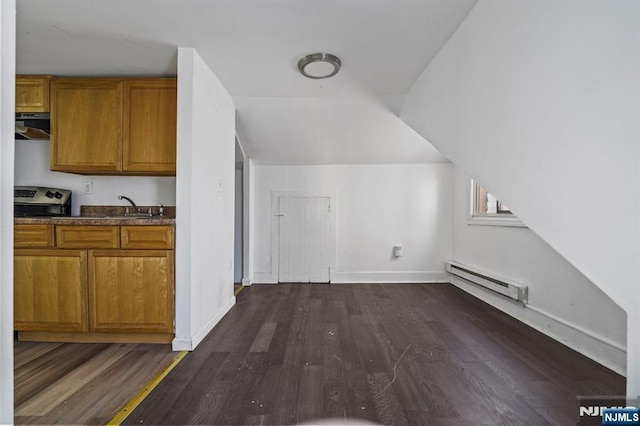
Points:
[[335, 130], [253, 47]]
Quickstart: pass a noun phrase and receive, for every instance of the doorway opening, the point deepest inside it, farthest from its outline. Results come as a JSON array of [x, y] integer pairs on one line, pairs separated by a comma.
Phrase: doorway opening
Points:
[[238, 233]]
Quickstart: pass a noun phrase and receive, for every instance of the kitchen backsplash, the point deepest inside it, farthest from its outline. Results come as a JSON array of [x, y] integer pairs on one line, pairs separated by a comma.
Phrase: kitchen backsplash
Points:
[[32, 168], [99, 211]]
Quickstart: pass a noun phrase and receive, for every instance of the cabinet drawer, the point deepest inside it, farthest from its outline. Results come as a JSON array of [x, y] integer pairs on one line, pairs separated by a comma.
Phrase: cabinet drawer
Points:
[[147, 237], [90, 237], [28, 236]]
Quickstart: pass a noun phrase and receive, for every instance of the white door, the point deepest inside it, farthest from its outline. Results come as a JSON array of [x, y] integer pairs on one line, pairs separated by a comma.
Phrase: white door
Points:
[[304, 239]]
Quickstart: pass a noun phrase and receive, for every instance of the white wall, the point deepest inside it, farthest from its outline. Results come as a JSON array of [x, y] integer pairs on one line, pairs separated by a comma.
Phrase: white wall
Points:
[[538, 100], [7, 120], [248, 184], [561, 299], [205, 201], [376, 207], [32, 168]]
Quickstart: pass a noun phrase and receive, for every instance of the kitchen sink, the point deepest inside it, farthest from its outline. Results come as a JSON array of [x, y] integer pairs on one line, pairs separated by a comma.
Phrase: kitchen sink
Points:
[[108, 217], [132, 216]]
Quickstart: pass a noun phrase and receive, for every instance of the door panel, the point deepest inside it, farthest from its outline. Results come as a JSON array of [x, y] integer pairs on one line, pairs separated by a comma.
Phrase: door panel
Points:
[[149, 130], [320, 251], [86, 125], [304, 239], [50, 290], [131, 291]]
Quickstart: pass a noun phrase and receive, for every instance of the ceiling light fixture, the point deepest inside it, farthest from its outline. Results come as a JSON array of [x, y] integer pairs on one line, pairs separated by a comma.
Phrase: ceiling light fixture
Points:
[[319, 65]]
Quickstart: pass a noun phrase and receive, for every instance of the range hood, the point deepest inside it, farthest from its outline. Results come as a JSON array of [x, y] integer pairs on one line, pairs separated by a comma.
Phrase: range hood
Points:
[[32, 125]]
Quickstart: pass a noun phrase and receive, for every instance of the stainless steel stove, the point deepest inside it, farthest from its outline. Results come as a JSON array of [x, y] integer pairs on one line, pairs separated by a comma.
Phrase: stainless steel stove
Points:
[[30, 201]]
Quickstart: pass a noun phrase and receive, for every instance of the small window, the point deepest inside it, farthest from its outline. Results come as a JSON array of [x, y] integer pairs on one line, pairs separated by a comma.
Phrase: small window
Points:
[[485, 203], [488, 210]]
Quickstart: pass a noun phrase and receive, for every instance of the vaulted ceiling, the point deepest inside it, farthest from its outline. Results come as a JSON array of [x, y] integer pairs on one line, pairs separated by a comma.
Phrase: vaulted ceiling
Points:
[[253, 47]]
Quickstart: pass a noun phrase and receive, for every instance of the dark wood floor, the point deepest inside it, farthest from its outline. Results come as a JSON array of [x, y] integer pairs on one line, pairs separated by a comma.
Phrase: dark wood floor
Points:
[[393, 354]]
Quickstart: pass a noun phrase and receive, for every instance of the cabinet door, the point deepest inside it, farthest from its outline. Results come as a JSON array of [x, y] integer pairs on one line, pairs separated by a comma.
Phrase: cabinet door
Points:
[[50, 290], [149, 128], [86, 125], [131, 291], [32, 93]]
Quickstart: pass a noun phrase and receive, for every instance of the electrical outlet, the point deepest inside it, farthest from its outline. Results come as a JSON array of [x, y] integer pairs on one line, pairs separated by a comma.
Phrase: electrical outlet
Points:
[[88, 187]]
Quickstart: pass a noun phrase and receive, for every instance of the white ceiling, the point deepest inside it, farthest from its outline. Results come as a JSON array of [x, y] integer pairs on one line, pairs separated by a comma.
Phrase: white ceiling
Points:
[[336, 130], [253, 47]]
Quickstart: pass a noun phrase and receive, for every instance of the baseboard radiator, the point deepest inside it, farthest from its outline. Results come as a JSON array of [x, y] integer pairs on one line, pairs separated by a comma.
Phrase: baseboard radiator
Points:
[[507, 288]]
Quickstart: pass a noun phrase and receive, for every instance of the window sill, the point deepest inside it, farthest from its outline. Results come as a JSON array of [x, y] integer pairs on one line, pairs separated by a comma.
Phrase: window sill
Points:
[[496, 220]]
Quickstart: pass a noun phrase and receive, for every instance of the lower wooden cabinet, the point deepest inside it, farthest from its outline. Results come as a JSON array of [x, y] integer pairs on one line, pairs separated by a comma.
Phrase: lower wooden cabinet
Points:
[[50, 290], [86, 288], [131, 291]]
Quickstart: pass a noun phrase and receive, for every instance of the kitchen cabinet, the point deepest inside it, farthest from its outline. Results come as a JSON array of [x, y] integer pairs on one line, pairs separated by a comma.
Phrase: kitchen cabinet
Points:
[[131, 290], [95, 283], [86, 125], [50, 290], [32, 93], [50, 286], [149, 128], [114, 126]]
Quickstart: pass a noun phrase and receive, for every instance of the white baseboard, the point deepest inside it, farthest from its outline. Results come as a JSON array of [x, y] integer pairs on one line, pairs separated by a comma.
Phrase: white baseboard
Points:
[[181, 345], [368, 277], [598, 348], [246, 282], [264, 278], [191, 344], [389, 277]]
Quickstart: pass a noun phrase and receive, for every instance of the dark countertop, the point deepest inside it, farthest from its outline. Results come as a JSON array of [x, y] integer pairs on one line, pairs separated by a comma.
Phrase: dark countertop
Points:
[[105, 215], [89, 220]]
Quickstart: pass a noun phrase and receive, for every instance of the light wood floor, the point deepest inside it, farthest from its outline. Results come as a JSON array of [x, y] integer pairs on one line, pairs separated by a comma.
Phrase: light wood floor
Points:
[[76, 383]]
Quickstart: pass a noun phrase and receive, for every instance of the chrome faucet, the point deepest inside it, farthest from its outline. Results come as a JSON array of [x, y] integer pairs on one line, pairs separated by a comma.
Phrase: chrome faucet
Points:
[[135, 207]]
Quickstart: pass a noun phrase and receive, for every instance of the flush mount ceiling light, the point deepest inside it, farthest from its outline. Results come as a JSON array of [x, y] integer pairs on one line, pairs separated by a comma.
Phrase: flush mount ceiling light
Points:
[[319, 65]]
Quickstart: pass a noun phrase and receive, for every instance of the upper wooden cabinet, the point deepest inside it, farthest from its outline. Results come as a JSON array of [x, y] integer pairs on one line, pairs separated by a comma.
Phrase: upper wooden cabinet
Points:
[[86, 125], [149, 128], [114, 126], [32, 93]]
